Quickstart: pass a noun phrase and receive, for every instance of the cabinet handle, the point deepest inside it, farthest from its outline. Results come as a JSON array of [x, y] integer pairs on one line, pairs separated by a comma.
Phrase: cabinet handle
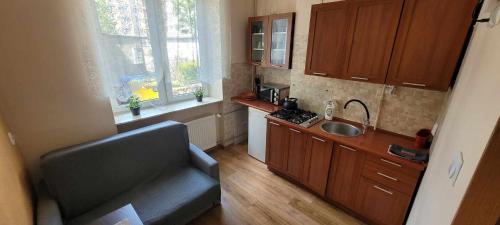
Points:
[[350, 149], [381, 189], [319, 139], [276, 66], [321, 74], [274, 123], [414, 84], [359, 78], [392, 163], [387, 176], [296, 131]]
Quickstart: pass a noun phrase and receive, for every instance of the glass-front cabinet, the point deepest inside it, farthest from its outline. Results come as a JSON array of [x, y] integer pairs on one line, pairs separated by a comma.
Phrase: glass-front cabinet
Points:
[[280, 44], [258, 27], [271, 40]]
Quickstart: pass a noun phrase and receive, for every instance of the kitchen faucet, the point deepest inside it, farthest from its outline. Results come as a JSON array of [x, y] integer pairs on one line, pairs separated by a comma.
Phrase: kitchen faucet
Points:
[[366, 121]]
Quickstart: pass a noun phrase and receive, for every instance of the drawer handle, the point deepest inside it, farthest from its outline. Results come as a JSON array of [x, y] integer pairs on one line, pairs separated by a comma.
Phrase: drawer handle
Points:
[[319, 139], [350, 149], [320, 74], [275, 124], [414, 84], [387, 176], [384, 190], [392, 163], [296, 131], [359, 78]]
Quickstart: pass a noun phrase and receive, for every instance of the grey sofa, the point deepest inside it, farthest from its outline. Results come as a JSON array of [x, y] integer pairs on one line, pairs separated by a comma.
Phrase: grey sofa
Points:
[[165, 178]]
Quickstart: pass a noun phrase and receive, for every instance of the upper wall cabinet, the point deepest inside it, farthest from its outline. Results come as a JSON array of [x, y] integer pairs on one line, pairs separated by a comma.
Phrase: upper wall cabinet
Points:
[[271, 40], [373, 26], [257, 47], [352, 39], [327, 44], [413, 43], [429, 42]]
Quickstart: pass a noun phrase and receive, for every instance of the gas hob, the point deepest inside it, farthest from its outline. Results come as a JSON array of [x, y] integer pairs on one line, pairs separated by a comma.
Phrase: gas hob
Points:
[[298, 116]]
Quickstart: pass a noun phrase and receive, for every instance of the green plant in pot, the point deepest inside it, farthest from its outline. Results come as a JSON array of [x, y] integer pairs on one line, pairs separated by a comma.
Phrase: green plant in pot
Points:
[[134, 103], [198, 94]]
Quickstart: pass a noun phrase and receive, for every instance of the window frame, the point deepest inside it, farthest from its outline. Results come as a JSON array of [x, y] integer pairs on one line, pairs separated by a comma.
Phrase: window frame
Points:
[[162, 66]]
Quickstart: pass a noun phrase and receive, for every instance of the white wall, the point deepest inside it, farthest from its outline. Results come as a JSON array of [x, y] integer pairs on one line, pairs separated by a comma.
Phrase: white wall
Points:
[[46, 96], [471, 116]]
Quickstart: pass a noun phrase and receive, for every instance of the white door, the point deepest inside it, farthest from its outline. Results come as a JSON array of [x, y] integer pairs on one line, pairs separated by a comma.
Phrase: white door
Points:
[[257, 130]]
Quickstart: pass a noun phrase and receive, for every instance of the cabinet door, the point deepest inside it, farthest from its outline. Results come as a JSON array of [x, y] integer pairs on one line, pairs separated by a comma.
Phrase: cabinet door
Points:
[[277, 145], [280, 34], [257, 30], [317, 166], [327, 44], [345, 173], [296, 154], [371, 37], [430, 39], [381, 204]]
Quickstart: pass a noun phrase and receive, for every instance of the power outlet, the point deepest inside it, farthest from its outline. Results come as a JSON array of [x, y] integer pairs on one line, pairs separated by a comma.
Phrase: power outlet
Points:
[[12, 139]]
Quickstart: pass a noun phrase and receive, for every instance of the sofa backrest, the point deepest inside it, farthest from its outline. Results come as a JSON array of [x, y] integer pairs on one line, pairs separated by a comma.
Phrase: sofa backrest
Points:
[[83, 176]]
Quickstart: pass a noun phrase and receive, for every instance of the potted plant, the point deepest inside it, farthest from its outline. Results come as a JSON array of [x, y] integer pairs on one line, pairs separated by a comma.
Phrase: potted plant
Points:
[[134, 103], [198, 94]]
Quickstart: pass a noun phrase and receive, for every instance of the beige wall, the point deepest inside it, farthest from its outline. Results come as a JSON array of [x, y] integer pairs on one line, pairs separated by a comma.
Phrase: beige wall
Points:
[[234, 116], [405, 112], [49, 100], [472, 113], [15, 193]]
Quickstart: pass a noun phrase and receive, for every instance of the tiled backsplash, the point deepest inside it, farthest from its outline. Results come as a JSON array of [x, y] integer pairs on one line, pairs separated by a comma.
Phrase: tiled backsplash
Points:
[[405, 112]]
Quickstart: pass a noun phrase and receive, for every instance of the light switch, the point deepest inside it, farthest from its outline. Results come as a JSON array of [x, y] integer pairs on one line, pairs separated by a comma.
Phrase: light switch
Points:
[[455, 167]]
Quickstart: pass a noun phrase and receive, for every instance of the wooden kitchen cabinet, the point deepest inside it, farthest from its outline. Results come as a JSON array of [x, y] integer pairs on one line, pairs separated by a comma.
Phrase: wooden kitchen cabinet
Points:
[[376, 187], [414, 43], [373, 26], [317, 164], [352, 39], [327, 43], [429, 42], [380, 204], [257, 42], [277, 146], [270, 40], [296, 154], [345, 173]]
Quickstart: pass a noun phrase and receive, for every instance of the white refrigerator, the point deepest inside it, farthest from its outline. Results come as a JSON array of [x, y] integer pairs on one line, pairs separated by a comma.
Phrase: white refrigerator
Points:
[[257, 130]]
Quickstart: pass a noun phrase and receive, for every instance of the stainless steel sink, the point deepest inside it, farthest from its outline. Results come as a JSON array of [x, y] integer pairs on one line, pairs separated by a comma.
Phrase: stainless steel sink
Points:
[[341, 129]]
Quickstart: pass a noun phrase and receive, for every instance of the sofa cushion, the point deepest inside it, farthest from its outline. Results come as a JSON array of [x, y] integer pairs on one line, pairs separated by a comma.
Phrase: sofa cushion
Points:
[[175, 197], [84, 176]]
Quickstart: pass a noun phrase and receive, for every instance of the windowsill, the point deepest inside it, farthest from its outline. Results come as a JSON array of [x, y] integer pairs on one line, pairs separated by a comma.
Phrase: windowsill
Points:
[[127, 117]]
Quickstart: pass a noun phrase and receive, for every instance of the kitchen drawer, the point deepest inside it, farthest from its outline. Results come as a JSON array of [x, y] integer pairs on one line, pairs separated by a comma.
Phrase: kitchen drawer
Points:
[[390, 177], [393, 166]]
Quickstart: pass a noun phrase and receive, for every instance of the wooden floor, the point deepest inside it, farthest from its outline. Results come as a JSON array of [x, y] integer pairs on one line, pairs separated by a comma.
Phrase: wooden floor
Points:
[[251, 194]]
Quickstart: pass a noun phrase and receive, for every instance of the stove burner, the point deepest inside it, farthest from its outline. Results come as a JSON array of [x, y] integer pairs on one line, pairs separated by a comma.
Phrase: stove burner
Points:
[[298, 116]]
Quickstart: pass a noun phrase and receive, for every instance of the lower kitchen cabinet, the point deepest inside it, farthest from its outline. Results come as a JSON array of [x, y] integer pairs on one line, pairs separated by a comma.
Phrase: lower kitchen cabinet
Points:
[[296, 154], [381, 204], [317, 165], [277, 144], [370, 185], [345, 173]]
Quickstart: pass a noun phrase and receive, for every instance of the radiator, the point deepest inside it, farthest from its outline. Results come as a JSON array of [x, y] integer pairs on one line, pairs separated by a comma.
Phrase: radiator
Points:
[[203, 132]]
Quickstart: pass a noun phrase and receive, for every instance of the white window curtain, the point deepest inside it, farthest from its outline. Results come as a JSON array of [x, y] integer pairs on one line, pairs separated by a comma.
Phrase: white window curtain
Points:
[[161, 50]]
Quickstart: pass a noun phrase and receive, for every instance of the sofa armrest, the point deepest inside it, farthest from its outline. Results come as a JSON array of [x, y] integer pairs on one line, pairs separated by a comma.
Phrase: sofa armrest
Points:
[[204, 162], [48, 212]]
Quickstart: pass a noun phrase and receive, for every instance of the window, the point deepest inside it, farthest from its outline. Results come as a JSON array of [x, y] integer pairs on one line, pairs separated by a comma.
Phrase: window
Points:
[[150, 48]]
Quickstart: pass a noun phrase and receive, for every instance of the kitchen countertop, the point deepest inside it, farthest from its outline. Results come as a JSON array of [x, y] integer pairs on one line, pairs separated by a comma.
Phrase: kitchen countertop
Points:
[[374, 142], [258, 104]]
